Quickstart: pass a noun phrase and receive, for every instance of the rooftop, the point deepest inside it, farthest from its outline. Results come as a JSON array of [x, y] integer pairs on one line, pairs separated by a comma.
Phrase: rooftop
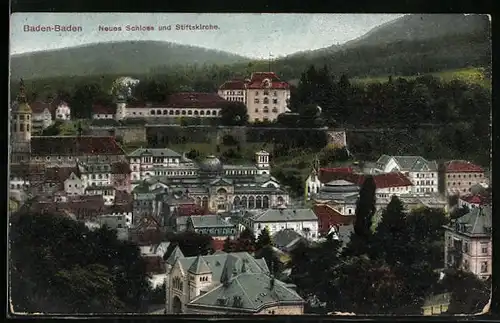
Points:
[[74, 146], [279, 215], [462, 166], [155, 152]]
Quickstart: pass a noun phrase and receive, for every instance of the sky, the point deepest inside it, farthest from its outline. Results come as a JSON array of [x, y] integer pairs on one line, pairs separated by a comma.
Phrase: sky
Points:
[[250, 35]]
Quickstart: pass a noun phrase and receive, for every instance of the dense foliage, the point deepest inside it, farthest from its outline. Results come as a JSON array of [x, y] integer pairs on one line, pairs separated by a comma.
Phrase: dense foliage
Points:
[[59, 266], [390, 270], [190, 243]]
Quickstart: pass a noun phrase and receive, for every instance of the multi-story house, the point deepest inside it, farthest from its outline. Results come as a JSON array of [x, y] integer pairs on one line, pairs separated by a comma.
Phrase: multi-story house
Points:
[[120, 176], [42, 117], [223, 283], [213, 225], [303, 221], [459, 176], [468, 243], [149, 162], [265, 95], [473, 200], [63, 112], [422, 173]]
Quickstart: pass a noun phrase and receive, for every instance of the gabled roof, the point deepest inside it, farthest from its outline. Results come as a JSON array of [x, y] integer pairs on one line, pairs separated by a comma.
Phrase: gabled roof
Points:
[[286, 238], [221, 181], [209, 221], [176, 254], [415, 164], [386, 180], [284, 215], [462, 166], [199, 267], [474, 199], [249, 292], [233, 85], [477, 221]]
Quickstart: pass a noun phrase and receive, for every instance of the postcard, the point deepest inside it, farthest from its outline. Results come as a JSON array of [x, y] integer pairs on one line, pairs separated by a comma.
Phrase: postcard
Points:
[[252, 164]]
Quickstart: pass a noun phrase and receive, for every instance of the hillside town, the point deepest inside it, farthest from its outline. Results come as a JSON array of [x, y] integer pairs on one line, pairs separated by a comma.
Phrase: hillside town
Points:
[[148, 195]]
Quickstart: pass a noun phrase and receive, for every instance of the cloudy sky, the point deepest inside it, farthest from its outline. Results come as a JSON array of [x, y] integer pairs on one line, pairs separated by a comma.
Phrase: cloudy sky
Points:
[[251, 35]]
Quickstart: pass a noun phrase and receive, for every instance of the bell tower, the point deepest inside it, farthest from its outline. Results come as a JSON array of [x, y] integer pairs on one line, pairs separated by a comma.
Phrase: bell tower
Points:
[[262, 162], [20, 128]]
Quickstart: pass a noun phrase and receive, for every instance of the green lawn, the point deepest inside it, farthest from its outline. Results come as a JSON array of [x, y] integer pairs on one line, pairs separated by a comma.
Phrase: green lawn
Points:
[[469, 75]]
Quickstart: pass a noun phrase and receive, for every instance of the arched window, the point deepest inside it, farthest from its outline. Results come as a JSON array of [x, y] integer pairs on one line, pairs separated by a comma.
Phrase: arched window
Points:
[[266, 101], [158, 112], [183, 112], [152, 112], [170, 112], [258, 202], [195, 112], [202, 113], [244, 202], [190, 112], [280, 200], [236, 201], [177, 112], [251, 202], [214, 112], [165, 112], [265, 202], [266, 109]]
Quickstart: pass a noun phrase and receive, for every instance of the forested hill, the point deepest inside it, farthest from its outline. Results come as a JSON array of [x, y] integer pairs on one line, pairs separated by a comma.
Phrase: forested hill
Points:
[[409, 45], [129, 57]]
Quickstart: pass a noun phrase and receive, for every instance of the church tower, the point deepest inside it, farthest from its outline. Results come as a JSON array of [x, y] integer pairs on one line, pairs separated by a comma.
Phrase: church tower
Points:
[[20, 128]]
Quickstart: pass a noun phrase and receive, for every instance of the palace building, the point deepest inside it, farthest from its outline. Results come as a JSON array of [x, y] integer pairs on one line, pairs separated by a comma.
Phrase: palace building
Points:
[[211, 184]]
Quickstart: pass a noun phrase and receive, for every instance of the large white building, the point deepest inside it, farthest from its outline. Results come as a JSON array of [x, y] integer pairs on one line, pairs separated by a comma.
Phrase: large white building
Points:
[[264, 94], [422, 173], [302, 221]]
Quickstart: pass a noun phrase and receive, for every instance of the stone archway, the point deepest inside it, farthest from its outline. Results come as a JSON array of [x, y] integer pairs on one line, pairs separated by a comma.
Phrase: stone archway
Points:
[[251, 202], [265, 202], [258, 202], [176, 305], [236, 201], [244, 202]]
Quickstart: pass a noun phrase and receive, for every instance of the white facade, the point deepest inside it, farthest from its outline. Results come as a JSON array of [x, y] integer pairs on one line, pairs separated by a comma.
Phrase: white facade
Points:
[[74, 185], [262, 162], [63, 112], [238, 95], [266, 104], [422, 173], [308, 229]]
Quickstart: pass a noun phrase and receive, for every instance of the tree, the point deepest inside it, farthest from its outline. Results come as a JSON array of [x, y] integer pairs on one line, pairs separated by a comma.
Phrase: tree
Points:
[[391, 233], [233, 114], [264, 239], [228, 245], [365, 208], [245, 242], [191, 243], [469, 294], [152, 90], [58, 265]]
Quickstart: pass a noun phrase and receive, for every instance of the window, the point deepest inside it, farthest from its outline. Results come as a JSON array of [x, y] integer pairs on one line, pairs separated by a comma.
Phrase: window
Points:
[[152, 112], [275, 93], [266, 92], [275, 110], [466, 247], [266, 101], [256, 92], [28, 128], [21, 127], [484, 248], [484, 267], [266, 109], [256, 110], [256, 100]]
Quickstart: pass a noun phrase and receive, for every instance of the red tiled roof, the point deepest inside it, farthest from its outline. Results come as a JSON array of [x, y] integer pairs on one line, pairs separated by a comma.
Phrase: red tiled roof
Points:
[[391, 180], [74, 146], [194, 100], [84, 207], [381, 180], [217, 244], [329, 174], [462, 166], [474, 199], [39, 107], [189, 209], [233, 85], [328, 217], [120, 168], [102, 109], [257, 81]]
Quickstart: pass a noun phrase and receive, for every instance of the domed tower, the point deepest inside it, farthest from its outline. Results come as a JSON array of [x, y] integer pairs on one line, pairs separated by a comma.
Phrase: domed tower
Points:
[[211, 167], [20, 128], [262, 162]]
